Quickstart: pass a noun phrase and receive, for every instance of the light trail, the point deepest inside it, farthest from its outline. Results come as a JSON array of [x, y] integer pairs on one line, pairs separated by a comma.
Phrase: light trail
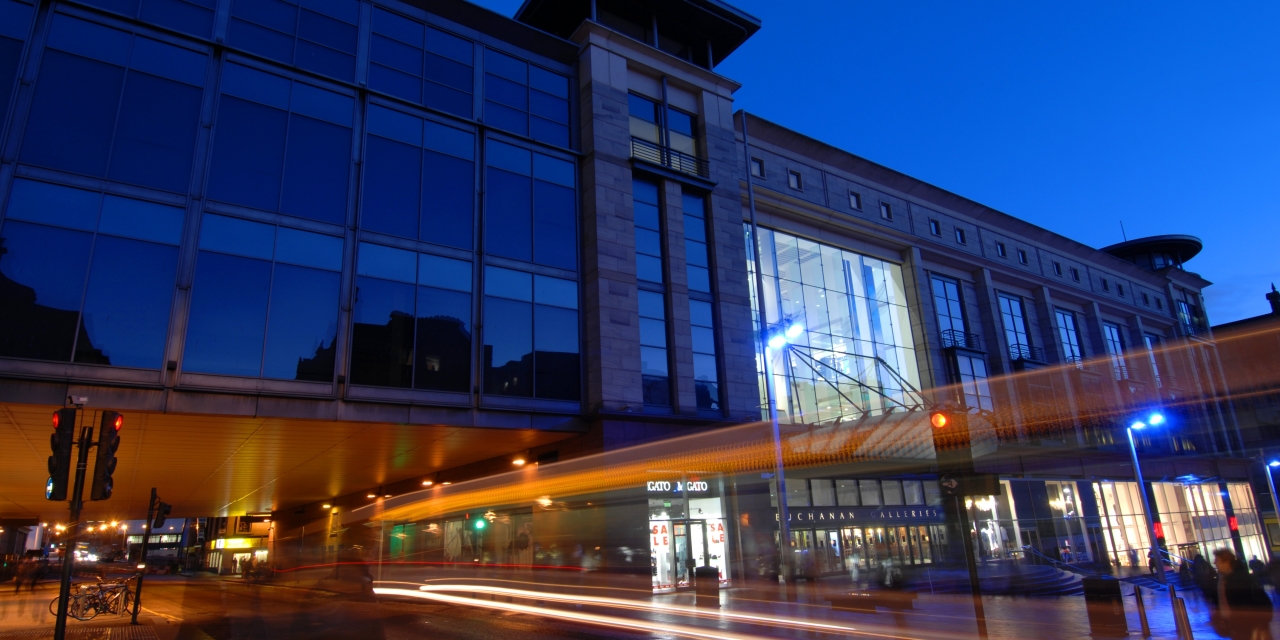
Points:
[[633, 605]]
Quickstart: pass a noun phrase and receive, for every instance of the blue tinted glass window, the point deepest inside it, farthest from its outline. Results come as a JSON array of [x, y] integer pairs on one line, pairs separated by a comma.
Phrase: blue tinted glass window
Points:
[[549, 107], [238, 237], [404, 52], [127, 7], [248, 154], [506, 283], [228, 315], [10, 57], [156, 135], [398, 27], [168, 61], [90, 40], [508, 347], [553, 170], [54, 204], [322, 29], [448, 200], [260, 40], [126, 307], [444, 273], [507, 118], [556, 292], [257, 86], [557, 364], [322, 105], [554, 225], [316, 169], [449, 140], [509, 157], [392, 187], [550, 83], [549, 132], [507, 215], [302, 327], [382, 333], [195, 18], [506, 66], [447, 73], [142, 220], [73, 114], [449, 46], [443, 350], [396, 55], [308, 249], [395, 125], [509, 93], [384, 262], [40, 290]]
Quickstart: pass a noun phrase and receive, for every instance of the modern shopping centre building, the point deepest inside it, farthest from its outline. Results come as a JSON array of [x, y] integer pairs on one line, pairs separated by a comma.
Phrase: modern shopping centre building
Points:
[[334, 257]]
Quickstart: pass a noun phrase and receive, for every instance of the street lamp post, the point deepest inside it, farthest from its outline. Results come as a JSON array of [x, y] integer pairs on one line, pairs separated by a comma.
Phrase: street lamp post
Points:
[[1153, 420], [1271, 484]]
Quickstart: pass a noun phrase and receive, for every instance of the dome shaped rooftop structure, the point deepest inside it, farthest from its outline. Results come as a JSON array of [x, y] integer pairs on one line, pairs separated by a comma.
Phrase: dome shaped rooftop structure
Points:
[[1157, 252]]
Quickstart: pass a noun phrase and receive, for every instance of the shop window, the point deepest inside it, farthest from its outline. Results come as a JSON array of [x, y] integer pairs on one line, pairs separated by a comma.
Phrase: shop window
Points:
[[525, 99], [423, 65], [531, 212], [192, 17], [113, 105], [847, 493], [892, 492], [824, 493], [104, 296], [319, 36], [419, 179], [406, 335], [531, 345], [281, 145], [264, 301], [869, 492], [912, 492]]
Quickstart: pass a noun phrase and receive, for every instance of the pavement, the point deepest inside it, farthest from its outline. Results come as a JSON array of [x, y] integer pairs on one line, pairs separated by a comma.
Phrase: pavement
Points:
[[320, 604]]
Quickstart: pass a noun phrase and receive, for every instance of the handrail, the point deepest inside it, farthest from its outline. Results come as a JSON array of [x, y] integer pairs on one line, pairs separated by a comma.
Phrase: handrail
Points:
[[1054, 561], [669, 158], [957, 338]]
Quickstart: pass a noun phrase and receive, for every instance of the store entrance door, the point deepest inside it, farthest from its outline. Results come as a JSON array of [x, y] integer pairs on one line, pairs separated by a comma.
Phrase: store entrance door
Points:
[[689, 546]]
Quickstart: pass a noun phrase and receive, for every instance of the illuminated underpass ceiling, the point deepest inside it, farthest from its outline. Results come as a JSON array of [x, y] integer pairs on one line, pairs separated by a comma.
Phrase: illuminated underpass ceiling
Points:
[[217, 465]]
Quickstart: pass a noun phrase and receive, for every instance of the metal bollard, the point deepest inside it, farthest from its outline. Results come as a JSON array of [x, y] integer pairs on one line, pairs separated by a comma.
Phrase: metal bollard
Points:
[[1186, 621], [1142, 612]]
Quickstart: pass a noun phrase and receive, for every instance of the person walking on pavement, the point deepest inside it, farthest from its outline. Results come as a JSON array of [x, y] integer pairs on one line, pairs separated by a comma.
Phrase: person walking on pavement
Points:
[[1242, 610], [1259, 571], [1204, 576]]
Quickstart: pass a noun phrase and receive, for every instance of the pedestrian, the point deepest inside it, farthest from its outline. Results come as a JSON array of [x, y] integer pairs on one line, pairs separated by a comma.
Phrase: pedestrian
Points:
[[22, 573], [1203, 573], [1242, 610], [1259, 571], [1152, 561]]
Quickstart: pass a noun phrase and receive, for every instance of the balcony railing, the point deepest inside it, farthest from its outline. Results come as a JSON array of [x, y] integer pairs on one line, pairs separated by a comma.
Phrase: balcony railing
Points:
[[1023, 352], [955, 338], [670, 158]]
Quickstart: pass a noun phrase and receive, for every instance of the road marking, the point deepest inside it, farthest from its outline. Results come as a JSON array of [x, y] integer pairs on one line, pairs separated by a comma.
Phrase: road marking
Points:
[[162, 615]]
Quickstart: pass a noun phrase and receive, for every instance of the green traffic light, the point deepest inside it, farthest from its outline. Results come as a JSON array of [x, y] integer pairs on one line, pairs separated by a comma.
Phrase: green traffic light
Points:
[[480, 524]]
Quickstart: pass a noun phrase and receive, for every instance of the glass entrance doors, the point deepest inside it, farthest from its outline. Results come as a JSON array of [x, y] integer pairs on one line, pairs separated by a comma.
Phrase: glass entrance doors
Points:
[[677, 546]]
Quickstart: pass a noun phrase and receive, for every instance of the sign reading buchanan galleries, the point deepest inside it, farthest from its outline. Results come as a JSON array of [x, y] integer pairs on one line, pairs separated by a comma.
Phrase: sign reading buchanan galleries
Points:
[[869, 515]]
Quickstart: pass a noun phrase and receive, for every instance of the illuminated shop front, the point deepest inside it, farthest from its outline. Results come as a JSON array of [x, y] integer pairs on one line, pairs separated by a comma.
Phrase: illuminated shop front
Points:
[[1193, 518], [687, 529], [232, 555]]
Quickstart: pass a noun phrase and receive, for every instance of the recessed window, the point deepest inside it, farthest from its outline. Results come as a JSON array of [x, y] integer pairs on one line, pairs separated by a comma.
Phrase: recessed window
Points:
[[855, 200], [1075, 274], [960, 237], [1057, 269], [886, 211], [1022, 256], [757, 167], [1146, 300], [935, 227], [794, 181], [1119, 289], [1001, 251], [1106, 286], [1159, 304]]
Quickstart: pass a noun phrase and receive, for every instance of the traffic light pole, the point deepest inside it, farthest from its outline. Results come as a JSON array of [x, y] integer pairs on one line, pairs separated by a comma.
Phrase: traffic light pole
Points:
[[142, 557], [68, 547]]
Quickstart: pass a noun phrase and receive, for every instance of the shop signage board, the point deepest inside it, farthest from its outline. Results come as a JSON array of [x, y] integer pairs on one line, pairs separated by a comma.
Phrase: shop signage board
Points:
[[864, 514]]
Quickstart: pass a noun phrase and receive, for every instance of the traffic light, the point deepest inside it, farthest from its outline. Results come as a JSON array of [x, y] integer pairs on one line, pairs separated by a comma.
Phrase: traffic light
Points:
[[108, 442], [64, 435], [162, 512], [939, 419]]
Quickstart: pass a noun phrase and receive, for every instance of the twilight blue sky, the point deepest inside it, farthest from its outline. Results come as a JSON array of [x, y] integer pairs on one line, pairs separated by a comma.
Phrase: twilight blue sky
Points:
[[1074, 116]]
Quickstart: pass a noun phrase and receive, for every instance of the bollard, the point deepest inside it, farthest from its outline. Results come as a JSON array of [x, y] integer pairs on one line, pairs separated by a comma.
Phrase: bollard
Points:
[[1142, 612], [1186, 621]]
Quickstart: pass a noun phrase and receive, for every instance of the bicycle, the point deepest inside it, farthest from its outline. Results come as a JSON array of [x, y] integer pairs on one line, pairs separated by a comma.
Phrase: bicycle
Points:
[[103, 597]]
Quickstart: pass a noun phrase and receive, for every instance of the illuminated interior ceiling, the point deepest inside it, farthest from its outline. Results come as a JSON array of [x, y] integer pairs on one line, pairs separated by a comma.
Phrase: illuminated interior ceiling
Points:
[[223, 465]]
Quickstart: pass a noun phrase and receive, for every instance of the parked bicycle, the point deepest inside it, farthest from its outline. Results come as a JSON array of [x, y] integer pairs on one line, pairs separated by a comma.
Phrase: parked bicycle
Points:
[[89, 600]]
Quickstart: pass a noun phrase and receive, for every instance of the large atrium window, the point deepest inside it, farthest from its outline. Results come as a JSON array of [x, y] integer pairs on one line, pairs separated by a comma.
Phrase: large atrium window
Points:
[[281, 145], [264, 302], [113, 105], [53, 237], [412, 323], [857, 335], [530, 209], [319, 36], [419, 179]]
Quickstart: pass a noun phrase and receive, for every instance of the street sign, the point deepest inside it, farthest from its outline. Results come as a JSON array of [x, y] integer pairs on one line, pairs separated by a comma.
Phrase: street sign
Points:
[[951, 485], [48, 489]]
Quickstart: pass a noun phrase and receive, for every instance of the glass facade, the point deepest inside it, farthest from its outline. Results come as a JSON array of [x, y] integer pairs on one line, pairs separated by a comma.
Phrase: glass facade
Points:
[[856, 349], [284, 263]]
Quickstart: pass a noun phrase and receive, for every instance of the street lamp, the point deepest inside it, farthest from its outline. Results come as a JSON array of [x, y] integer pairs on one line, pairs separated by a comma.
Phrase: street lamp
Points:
[[1155, 419], [779, 336]]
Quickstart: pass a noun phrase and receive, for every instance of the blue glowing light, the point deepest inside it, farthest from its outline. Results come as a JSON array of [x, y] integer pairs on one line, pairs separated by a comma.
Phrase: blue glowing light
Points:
[[1138, 424], [794, 331], [1155, 419], [777, 342], [1274, 463]]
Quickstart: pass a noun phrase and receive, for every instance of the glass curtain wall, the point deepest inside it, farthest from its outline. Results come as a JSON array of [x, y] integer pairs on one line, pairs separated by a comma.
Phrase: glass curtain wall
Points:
[[857, 336], [1194, 519], [1124, 527]]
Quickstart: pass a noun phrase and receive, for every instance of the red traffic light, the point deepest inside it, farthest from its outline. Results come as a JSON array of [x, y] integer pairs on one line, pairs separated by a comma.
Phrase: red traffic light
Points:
[[938, 419], [55, 420], [119, 422]]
